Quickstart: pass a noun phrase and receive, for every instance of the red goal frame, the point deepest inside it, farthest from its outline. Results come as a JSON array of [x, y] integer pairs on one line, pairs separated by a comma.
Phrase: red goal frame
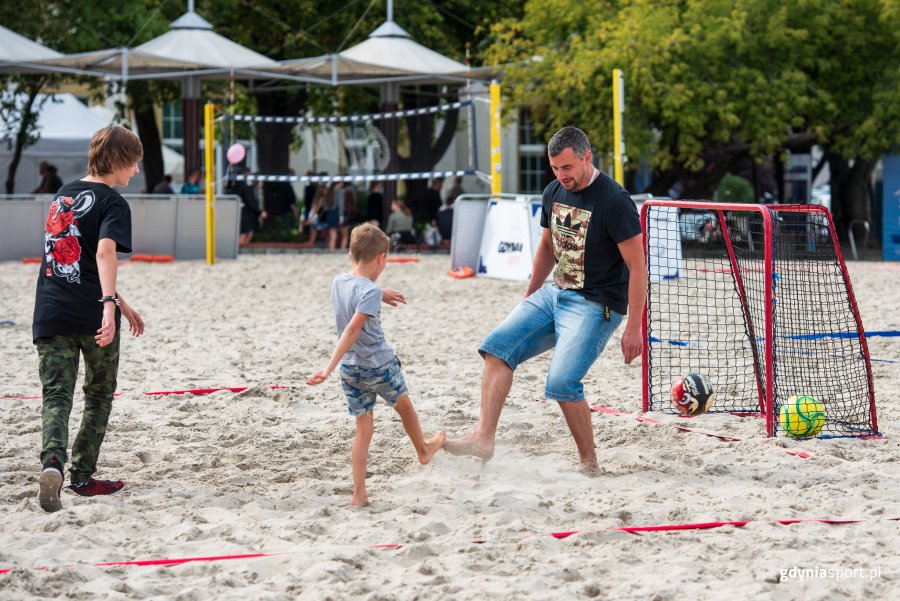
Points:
[[769, 221]]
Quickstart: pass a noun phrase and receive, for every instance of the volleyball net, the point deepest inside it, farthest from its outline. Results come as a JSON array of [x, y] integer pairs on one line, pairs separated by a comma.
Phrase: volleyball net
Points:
[[438, 141]]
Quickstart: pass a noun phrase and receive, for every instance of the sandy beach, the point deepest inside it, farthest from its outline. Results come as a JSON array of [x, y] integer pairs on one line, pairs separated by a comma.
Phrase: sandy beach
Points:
[[267, 470]]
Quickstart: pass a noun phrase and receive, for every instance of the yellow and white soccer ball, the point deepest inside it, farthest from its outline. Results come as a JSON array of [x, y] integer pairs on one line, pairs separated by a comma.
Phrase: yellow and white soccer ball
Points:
[[801, 416]]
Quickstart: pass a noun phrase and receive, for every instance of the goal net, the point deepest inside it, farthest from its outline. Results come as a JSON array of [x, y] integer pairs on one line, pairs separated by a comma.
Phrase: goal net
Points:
[[411, 144], [757, 298]]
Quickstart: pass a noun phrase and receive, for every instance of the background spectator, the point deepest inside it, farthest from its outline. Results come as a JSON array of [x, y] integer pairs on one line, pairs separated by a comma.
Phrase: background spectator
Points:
[[431, 203], [250, 211], [400, 222], [50, 180], [165, 186], [192, 183], [285, 198], [375, 204], [454, 192], [445, 222]]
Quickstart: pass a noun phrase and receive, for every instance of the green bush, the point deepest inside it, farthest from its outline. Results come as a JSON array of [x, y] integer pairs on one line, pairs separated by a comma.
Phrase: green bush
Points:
[[734, 188]]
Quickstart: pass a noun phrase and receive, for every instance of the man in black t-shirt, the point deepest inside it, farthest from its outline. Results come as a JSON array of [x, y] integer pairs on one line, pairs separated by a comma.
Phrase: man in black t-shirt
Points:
[[77, 312], [592, 243]]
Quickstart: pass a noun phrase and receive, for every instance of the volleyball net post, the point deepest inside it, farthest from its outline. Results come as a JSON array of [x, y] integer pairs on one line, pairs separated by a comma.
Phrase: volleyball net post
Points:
[[209, 137], [618, 139], [496, 131]]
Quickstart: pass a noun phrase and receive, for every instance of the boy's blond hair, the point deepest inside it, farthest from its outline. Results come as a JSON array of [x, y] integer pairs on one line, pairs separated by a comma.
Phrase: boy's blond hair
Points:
[[112, 148], [367, 241]]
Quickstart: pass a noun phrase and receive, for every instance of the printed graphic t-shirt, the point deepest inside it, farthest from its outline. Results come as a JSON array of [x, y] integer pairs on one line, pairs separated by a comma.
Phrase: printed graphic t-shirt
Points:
[[68, 285], [586, 228], [352, 294]]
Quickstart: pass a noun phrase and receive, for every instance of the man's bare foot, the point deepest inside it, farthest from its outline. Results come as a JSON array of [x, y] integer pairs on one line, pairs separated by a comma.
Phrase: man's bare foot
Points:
[[590, 468], [432, 446], [471, 445], [359, 501]]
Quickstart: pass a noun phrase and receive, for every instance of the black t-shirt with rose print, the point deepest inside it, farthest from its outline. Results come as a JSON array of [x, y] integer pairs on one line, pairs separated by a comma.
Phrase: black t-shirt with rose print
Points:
[[68, 286]]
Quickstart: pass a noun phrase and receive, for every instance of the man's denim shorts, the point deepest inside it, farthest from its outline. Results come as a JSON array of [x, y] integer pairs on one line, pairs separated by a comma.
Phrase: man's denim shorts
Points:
[[552, 318], [362, 386]]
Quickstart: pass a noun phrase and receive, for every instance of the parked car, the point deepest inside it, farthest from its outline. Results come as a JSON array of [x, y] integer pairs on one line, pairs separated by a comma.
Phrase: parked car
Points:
[[697, 226]]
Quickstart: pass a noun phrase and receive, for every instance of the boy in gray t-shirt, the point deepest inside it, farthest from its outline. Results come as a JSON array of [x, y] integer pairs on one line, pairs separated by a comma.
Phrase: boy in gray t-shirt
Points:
[[369, 366]]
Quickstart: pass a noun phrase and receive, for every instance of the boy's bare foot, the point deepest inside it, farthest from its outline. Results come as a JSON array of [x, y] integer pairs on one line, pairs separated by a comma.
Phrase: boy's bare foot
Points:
[[471, 445], [359, 501], [432, 446]]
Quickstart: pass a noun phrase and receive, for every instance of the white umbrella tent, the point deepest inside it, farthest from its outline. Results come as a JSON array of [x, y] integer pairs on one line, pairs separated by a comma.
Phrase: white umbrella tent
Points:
[[15, 48], [65, 126], [192, 38]]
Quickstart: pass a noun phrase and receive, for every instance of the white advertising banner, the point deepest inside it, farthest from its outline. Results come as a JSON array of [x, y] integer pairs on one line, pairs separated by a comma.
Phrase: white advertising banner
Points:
[[506, 244], [664, 244]]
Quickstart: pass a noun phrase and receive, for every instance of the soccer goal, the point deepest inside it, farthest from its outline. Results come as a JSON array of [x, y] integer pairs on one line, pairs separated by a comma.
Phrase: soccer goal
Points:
[[757, 298]]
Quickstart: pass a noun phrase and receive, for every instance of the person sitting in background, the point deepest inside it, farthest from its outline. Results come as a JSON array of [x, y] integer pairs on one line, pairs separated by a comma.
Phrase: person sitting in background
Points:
[[455, 191], [445, 223], [400, 222], [165, 186], [50, 181], [192, 184]]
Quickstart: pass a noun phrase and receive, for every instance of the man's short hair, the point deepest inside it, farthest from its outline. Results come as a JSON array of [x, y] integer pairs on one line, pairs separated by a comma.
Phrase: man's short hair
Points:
[[569, 137], [367, 241], [112, 148]]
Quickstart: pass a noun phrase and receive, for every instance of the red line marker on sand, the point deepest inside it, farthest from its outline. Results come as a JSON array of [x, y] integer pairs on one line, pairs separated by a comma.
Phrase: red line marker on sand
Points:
[[708, 526], [202, 391], [170, 562], [558, 535]]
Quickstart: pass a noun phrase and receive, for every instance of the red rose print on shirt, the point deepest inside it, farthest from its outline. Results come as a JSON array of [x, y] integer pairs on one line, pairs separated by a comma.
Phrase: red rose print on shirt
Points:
[[62, 238], [60, 216], [67, 251]]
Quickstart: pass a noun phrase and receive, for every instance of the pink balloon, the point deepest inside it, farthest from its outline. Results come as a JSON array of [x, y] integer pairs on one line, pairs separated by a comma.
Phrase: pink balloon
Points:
[[236, 153]]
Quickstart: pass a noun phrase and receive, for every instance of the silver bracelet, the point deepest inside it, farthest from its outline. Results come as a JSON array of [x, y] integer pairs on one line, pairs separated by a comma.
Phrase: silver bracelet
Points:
[[110, 299]]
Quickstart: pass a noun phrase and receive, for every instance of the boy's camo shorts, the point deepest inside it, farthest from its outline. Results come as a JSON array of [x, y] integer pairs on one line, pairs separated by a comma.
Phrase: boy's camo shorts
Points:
[[362, 385]]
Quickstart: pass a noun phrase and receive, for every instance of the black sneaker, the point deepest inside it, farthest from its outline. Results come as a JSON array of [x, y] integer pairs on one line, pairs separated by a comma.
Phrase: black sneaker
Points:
[[50, 484]]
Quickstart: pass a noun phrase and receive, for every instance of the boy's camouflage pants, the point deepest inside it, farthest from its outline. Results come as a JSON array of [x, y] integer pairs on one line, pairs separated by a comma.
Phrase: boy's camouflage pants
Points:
[[58, 366]]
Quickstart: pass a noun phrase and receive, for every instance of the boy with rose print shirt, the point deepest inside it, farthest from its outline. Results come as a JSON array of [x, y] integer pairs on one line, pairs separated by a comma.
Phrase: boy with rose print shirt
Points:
[[77, 312]]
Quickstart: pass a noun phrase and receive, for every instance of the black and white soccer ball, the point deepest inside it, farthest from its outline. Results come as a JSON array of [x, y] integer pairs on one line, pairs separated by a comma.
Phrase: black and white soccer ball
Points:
[[692, 394]]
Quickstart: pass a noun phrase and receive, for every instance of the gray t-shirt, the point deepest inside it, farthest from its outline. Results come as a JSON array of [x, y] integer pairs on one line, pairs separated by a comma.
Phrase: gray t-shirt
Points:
[[352, 294]]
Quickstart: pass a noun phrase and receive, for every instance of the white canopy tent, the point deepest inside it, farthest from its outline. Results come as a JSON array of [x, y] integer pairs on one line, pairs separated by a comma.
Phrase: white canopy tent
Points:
[[15, 48], [390, 46], [190, 51], [66, 127]]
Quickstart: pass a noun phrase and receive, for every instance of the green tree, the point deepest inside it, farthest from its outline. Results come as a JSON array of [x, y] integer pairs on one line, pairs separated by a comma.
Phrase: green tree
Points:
[[719, 78], [71, 26]]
